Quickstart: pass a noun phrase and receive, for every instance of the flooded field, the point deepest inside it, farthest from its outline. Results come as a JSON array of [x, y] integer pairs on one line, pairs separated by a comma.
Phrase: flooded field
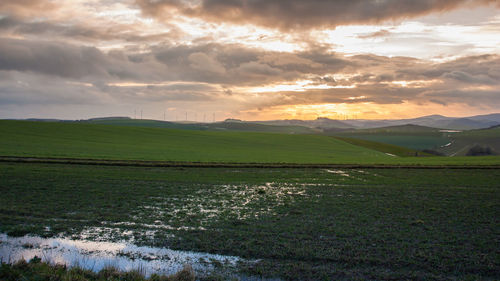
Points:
[[339, 224], [96, 256]]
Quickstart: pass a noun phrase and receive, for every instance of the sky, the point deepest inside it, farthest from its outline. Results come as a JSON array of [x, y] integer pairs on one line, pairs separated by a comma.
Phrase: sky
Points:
[[206, 60]]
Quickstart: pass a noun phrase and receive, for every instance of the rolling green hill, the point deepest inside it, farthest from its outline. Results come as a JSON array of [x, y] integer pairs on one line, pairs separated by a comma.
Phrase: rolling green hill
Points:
[[142, 123], [108, 142], [389, 149], [79, 140]]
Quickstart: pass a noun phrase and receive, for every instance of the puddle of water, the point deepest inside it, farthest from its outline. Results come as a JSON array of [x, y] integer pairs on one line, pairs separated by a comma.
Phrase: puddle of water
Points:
[[98, 255], [338, 172], [211, 202], [158, 225], [446, 145], [390, 154]]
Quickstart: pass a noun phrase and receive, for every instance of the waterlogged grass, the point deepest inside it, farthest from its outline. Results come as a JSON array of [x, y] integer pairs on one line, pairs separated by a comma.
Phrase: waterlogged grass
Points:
[[37, 270], [298, 223]]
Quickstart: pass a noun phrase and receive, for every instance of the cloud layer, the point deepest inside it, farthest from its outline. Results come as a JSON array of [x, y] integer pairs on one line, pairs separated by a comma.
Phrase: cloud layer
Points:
[[290, 14], [204, 57]]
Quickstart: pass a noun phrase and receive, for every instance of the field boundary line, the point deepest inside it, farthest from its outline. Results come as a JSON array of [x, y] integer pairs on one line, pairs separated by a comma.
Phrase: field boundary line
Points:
[[146, 163]]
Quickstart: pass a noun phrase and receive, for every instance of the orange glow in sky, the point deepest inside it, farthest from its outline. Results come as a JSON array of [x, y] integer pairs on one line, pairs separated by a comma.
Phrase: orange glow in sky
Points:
[[90, 58]]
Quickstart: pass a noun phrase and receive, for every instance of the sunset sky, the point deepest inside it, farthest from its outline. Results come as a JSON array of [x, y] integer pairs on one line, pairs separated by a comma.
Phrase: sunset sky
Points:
[[249, 59]]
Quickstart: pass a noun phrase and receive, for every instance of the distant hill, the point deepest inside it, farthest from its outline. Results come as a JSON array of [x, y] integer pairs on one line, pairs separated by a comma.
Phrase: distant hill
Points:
[[229, 125], [489, 117], [44, 120], [398, 129], [109, 118], [435, 121], [319, 123], [296, 126]]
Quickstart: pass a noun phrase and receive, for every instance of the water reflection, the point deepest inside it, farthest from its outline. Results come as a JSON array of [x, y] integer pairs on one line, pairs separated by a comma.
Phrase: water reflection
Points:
[[98, 255]]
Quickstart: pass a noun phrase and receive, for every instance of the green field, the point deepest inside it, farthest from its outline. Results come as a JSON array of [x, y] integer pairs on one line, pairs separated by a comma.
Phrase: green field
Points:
[[384, 147], [460, 143], [411, 142], [438, 222], [91, 141], [299, 224], [75, 140], [410, 136]]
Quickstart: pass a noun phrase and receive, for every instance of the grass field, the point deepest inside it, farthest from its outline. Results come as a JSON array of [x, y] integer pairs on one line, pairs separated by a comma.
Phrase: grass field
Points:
[[45, 139], [76, 140], [460, 143], [411, 142], [384, 147], [410, 136], [300, 224]]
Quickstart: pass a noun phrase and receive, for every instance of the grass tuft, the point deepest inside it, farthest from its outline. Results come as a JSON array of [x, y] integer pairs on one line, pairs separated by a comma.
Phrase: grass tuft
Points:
[[35, 269]]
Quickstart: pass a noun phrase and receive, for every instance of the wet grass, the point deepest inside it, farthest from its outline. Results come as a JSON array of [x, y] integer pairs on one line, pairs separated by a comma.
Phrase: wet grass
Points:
[[418, 224], [35, 269]]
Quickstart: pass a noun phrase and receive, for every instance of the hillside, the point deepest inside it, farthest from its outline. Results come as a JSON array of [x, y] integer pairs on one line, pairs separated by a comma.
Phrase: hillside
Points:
[[389, 149], [319, 123], [79, 140], [217, 126], [399, 129], [410, 136], [461, 143], [434, 121]]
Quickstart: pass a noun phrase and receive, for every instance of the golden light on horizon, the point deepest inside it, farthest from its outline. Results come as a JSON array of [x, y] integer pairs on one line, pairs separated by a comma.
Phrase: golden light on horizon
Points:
[[313, 111], [415, 83], [362, 110], [298, 86], [179, 54]]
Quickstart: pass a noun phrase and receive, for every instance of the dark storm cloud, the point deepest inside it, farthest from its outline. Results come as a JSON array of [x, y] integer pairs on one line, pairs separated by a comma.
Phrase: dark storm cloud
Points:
[[290, 14]]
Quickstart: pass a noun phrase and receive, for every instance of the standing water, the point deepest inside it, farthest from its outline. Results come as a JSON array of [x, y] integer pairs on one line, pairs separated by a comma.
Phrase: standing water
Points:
[[98, 255]]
